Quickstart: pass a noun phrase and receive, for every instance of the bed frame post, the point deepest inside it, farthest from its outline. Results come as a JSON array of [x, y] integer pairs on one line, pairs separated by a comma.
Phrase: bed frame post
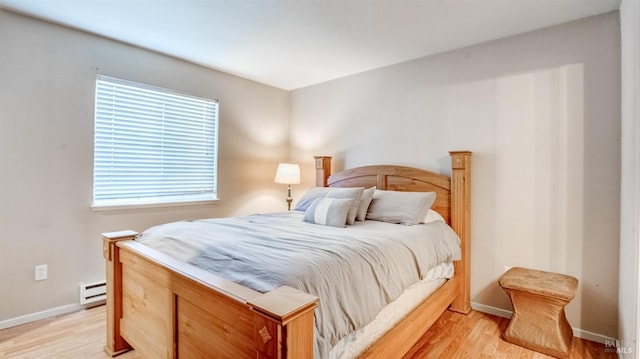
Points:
[[461, 224], [115, 343], [323, 170], [284, 323]]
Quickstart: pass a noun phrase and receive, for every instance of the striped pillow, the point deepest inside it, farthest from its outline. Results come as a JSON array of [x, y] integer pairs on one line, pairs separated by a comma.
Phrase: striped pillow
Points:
[[328, 211], [348, 192]]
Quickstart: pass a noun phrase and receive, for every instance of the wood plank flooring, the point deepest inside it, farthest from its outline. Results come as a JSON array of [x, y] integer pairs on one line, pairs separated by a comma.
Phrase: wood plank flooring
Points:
[[477, 335], [82, 335]]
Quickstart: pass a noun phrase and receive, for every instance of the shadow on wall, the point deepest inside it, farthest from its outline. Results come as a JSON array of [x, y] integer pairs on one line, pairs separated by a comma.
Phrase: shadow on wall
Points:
[[537, 167]]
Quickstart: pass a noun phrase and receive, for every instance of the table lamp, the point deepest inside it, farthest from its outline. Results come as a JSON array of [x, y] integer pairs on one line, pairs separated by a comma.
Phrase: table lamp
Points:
[[288, 173]]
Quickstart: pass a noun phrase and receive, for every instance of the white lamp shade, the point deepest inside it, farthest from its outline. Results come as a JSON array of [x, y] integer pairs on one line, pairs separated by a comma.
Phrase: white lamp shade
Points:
[[288, 173]]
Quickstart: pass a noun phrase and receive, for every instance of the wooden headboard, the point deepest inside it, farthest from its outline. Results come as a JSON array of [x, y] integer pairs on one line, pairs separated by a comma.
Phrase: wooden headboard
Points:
[[397, 178], [453, 196]]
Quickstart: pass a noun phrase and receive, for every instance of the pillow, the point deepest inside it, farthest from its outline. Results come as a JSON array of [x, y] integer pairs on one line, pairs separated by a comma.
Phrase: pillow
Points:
[[432, 216], [365, 201], [308, 197], [400, 207], [328, 211], [348, 192]]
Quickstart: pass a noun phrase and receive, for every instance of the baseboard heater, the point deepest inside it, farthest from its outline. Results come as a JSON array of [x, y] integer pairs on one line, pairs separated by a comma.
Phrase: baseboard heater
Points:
[[93, 292]]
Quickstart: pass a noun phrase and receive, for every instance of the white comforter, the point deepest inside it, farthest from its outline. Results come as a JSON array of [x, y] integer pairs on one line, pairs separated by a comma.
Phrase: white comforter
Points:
[[355, 271]]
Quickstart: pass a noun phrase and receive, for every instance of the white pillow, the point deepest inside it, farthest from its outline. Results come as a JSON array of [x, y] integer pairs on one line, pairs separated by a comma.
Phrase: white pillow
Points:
[[365, 202], [432, 216], [309, 196], [328, 211], [348, 192], [400, 207]]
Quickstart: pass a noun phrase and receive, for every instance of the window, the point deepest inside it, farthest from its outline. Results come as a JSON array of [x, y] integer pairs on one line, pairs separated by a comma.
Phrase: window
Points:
[[152, 146]]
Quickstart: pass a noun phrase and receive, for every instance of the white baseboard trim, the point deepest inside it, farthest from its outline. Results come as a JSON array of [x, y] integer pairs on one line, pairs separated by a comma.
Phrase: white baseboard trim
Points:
[[584, 334], [491, 310], [53, 312], [594, 337]]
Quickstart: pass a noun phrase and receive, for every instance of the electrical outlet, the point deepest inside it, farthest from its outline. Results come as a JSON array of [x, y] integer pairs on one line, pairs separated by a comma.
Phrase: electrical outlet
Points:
[[41, 272]]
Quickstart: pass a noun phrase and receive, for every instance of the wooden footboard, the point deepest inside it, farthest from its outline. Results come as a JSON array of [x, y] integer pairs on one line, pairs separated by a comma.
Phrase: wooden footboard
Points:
[[168, 309], [165, 308]]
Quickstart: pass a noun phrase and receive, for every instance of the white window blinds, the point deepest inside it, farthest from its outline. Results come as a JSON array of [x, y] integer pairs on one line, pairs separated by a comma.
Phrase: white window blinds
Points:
[[152, 145]]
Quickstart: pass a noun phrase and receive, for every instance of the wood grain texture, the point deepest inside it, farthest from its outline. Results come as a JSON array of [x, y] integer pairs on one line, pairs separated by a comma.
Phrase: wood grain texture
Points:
[[147, 304], [477, 335], [115, 342], [323, 170], [461, 223]]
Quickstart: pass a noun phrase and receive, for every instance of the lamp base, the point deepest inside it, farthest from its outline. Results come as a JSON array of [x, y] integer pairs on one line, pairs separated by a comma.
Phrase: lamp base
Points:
[[289, 198]]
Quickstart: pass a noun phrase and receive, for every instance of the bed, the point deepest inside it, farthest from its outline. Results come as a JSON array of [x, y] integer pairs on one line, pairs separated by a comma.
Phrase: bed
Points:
[[167, 308]]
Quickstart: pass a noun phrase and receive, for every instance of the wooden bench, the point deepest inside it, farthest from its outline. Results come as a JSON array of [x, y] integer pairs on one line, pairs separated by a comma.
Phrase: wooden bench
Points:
[[539, 322]]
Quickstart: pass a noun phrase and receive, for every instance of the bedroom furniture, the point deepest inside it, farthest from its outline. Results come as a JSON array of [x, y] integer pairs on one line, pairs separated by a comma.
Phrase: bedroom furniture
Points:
[[323, 170], [539, 322], [288, 173], [166, 308]]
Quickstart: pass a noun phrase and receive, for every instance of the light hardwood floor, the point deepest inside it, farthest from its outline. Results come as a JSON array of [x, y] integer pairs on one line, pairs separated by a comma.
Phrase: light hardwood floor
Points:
[[81, 335], [477, 335]]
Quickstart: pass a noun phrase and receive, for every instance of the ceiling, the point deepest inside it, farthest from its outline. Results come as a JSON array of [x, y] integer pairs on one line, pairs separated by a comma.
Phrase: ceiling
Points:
[[295, 43]]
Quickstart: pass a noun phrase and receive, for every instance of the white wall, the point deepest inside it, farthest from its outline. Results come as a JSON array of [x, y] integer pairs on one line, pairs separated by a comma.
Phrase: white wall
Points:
[[541, 111], [628, 312], [47, 80]]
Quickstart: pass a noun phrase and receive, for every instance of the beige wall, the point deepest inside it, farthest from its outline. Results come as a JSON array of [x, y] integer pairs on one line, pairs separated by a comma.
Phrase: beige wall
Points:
[[47, 79], [541, 111], [629, 314]]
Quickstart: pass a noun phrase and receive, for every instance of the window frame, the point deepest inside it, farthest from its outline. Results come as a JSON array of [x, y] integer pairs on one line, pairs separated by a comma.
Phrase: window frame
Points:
[[207, 195]]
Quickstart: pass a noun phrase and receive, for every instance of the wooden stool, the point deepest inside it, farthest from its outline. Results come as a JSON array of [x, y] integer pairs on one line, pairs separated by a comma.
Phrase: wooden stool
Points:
[[538, 322]]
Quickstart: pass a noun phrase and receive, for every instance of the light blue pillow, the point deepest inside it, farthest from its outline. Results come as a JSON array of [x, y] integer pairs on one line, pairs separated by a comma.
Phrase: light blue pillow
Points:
[[328, 211], [309, 196]]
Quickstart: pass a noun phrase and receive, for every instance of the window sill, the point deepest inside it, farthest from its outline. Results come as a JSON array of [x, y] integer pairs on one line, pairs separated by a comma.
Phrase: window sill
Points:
[[118, 207]]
